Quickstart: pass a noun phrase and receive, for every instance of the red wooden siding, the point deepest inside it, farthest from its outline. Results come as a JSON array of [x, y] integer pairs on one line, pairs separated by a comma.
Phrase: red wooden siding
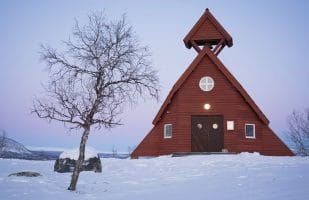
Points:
[[149, 145], [224, 100], [207, 31], [273, 145], [228, 99]]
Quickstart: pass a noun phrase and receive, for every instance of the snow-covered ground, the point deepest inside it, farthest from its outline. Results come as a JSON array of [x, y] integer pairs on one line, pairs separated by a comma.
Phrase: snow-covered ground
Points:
[[244, 176]]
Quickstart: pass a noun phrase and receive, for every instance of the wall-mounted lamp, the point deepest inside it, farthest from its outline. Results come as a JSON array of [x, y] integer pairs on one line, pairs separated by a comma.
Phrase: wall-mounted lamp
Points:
[[206, 106]]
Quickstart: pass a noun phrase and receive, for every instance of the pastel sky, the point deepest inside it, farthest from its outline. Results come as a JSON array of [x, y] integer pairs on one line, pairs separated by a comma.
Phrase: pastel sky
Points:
[[269, 58]]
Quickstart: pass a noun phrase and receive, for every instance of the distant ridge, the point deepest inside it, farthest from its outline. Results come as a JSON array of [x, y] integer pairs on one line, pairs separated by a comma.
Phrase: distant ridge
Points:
[[12, 146], [14, 150]]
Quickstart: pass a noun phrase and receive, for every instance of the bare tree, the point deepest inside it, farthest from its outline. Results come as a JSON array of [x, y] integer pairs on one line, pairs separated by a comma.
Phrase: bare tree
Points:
[[130, 149], [102, 69], [298, 133], [114, 152]]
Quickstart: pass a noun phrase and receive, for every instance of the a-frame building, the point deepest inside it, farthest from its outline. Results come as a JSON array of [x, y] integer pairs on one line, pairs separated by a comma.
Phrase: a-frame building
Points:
[[207, 110]]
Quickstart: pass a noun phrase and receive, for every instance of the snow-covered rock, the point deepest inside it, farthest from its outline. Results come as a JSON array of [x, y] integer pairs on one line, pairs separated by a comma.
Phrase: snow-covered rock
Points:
[[74, 153], [67, 161]]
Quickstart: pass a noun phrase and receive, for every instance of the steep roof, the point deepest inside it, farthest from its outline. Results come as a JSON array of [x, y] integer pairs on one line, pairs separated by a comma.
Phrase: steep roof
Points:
[[207, 28], [225, 72]]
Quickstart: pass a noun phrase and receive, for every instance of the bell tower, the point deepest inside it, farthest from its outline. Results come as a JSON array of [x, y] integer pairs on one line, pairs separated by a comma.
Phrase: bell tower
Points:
[[208, 33]]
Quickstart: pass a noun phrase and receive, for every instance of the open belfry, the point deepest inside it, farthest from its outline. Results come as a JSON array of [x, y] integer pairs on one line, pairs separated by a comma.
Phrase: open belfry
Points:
[[207, 110]]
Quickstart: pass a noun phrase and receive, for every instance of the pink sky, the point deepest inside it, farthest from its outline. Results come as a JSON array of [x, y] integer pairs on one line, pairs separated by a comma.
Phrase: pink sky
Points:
[[269, 58]]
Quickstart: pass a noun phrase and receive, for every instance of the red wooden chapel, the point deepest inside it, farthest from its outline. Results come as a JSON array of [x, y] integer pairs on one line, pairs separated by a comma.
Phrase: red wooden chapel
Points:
[[207, 110]]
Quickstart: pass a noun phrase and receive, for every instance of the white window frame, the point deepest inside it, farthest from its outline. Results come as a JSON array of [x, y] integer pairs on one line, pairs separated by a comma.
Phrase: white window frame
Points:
[[165, 131], [250, 137], [206, 83]]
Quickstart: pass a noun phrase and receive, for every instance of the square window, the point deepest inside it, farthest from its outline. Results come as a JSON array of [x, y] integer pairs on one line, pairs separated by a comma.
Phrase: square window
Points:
[[168, 130], [230, 125], [250, 131]]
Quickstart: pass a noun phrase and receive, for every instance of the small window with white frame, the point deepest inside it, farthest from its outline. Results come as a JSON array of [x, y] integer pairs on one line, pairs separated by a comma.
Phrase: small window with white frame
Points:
[[230, 125], [250, 131], [168, 130]]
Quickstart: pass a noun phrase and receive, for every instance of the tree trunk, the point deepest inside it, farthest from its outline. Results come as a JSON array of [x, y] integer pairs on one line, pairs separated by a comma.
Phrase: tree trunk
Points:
[[80, 160]]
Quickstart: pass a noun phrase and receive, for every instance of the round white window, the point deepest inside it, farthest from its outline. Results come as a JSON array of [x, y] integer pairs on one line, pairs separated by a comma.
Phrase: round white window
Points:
[[207, 83]]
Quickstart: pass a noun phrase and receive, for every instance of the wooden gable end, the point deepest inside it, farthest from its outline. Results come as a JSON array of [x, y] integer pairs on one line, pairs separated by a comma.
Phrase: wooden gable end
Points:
[[207, 30], [225, 100], [224, 71]]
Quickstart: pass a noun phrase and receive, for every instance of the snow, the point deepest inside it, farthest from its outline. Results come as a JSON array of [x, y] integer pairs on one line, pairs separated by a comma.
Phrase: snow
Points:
[[243, 176], [74, 153]]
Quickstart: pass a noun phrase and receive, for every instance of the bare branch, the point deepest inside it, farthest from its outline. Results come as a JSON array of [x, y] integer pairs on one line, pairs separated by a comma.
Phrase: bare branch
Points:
[[298, 123], [102, 69]]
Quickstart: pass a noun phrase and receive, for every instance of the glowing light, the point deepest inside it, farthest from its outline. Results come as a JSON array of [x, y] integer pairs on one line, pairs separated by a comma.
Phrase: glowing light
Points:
[[207, 106]]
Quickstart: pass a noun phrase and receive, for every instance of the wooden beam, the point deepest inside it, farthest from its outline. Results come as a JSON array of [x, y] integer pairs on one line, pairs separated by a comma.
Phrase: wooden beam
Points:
[[196, 47], [219, 50], [218, 45]]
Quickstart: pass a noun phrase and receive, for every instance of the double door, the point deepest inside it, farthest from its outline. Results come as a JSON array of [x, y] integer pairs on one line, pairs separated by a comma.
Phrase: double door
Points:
[[207, 133]]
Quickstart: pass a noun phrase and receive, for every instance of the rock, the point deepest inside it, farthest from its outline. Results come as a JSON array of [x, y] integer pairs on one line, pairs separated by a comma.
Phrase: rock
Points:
[[63, 165], [27, 174], [66, 161]]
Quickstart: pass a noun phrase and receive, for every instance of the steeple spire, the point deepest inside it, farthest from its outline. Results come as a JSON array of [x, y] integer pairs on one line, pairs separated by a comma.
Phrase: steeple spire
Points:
[[208, 33]]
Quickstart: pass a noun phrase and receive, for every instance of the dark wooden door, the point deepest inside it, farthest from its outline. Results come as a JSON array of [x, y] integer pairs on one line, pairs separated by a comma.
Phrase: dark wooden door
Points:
[[207, 133]]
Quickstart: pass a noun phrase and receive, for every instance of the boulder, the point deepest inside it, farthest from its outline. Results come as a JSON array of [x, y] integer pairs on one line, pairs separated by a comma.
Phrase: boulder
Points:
[[67, 160], [26, 173], [63, 165]]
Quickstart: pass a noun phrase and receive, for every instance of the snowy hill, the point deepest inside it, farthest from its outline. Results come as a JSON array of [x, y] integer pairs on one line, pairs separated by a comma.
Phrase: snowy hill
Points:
[[13, 149], [242, 177], [11, 146]]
